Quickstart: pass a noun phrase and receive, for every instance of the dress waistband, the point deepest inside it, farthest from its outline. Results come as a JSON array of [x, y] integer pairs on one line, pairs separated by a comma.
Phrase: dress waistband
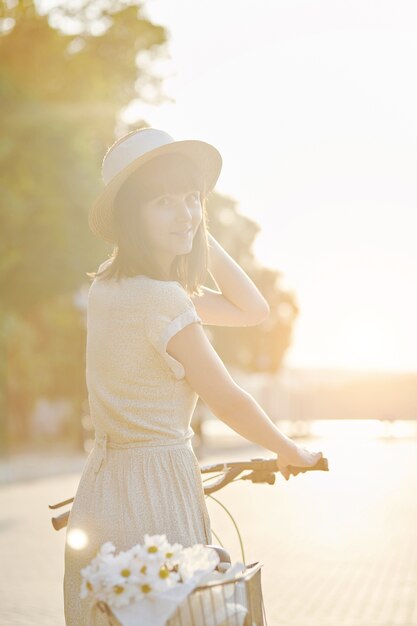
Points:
[[102, 442]]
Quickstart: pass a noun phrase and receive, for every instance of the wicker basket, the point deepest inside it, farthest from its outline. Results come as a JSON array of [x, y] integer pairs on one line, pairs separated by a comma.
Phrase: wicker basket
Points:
[[236, 602]]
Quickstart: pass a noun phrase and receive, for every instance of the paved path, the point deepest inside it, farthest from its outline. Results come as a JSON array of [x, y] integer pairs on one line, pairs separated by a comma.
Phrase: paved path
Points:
[[339, 548]]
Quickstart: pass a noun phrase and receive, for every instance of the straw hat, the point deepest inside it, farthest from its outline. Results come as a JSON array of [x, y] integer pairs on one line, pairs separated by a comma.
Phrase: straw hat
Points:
[[135, 149]]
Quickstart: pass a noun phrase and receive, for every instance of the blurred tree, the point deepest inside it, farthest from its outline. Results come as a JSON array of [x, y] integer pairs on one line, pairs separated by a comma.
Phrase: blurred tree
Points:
[[255, 348], [65, 76], [45, 364], [60, 95]]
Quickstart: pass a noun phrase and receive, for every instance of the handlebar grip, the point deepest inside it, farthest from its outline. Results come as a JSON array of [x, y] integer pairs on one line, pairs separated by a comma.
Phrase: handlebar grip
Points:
[[322, 464], [60, 521]]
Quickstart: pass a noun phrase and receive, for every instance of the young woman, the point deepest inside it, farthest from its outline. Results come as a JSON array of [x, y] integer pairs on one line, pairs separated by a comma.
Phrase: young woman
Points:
[[148, 357]]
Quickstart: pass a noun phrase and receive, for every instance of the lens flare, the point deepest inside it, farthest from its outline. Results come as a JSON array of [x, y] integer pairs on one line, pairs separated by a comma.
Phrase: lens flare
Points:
[[77, 538]]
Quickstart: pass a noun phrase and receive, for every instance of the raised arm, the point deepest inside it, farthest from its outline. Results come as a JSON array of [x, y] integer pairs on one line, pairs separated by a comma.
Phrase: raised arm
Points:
[[238, 301]]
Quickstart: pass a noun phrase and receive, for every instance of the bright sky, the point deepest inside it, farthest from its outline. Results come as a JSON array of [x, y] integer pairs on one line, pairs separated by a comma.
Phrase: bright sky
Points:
[[313, 108]]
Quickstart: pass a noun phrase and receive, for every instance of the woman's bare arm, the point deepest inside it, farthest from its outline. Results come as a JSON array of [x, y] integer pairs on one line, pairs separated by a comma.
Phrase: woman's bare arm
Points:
[[208, 376], [239, 302]]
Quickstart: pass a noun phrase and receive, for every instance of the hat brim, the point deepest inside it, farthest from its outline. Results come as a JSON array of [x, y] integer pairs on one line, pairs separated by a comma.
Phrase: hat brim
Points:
[[206, 157]]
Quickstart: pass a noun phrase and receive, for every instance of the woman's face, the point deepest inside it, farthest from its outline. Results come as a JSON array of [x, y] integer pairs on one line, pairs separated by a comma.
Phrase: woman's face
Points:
[[170, 222]]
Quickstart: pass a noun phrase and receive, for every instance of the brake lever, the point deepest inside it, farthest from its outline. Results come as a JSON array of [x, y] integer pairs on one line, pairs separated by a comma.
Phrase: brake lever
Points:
[[260, 476]]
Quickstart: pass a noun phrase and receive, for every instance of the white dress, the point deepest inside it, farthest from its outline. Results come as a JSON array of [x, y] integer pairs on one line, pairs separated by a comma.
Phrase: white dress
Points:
[[142, 475]]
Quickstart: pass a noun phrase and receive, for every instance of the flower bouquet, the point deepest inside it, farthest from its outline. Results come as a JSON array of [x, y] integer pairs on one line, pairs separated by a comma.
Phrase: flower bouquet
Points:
[[149, 583]]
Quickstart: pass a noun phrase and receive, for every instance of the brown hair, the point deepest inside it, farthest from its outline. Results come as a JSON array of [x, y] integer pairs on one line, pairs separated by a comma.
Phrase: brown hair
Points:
[[130, 256]]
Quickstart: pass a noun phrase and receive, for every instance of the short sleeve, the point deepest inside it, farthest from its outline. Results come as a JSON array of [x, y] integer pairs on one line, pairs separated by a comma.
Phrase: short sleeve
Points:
[[170, 310]]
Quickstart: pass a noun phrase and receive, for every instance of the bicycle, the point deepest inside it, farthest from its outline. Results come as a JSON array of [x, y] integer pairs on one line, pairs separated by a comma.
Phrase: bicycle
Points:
[[234, 602]]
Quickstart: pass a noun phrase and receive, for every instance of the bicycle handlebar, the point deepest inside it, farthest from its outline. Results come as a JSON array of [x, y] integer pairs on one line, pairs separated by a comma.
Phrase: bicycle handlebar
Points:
[[262, 464], [261, 471]]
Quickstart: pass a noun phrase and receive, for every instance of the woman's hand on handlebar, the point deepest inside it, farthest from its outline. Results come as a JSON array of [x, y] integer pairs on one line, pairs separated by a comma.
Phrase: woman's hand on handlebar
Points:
[[297, 457]]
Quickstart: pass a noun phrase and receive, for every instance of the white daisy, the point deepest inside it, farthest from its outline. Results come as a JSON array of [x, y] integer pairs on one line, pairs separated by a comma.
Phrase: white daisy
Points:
[[172, 555]]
